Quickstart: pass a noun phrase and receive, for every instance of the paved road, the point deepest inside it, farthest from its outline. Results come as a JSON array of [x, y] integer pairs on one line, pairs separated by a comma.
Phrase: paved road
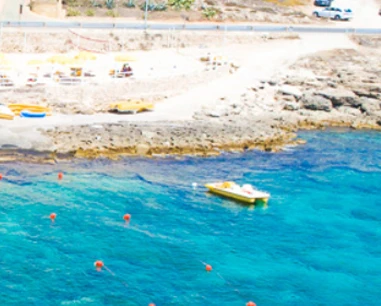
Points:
[[365, 12], [10, 9]]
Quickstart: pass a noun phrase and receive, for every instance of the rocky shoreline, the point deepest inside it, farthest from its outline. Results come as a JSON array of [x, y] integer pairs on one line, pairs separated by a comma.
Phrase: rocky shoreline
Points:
[[172, 139], [168, 138]]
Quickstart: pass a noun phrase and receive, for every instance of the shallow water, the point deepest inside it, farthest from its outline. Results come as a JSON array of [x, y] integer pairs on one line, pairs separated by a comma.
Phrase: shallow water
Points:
[[317, 242]]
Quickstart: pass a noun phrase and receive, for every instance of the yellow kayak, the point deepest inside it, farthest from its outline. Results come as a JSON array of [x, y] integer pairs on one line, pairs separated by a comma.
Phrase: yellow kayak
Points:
[[246, 193], [17, 108], [131, 106]]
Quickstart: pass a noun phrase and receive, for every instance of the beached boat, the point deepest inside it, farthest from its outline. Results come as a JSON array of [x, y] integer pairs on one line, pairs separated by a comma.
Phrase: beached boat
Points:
[[246, 193], [131, 106], [29, 114]]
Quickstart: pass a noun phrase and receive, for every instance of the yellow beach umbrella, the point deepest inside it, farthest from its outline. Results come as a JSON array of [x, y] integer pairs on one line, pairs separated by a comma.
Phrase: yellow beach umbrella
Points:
[[124, 58], [5, 62], [64, 60], [36, 62], [58, 59], [73, 62], [86, 56]]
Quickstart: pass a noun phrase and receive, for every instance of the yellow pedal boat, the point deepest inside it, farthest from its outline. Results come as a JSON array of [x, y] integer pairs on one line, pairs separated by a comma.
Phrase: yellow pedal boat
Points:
[[231, 190], [131, 106]]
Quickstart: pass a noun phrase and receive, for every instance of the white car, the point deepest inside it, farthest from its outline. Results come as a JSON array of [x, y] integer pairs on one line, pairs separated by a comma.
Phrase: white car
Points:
[[335, 13]]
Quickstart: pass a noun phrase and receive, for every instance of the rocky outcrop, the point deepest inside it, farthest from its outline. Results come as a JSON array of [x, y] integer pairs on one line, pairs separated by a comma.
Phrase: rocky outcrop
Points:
[[316, 102], [350, 111], [290, 90], [339, 96], [151, 139], [369, 106], [346, 84], [291, 106]]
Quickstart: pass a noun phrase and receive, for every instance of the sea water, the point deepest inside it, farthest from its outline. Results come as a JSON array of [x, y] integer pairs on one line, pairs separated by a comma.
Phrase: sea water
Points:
[[317, 242]]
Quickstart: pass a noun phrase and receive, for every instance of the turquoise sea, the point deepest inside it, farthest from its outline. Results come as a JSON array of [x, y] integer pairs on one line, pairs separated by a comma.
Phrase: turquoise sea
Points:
[[317, 242]]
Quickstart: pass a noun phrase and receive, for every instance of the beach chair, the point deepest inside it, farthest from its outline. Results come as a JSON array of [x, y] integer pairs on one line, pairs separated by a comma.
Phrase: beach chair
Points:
[[131, 106]]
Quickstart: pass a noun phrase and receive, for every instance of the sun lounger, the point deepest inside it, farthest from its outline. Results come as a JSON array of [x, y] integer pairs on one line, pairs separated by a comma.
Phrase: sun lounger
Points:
[[131, 106]]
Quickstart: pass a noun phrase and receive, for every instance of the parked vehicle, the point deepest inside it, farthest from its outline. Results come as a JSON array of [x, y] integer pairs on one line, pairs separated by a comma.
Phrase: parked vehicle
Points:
[[335, 13], [323, 2]]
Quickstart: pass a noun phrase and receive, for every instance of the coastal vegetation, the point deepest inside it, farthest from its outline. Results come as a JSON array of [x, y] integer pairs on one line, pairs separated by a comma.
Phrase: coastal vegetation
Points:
[[289, 2], [278, 11]]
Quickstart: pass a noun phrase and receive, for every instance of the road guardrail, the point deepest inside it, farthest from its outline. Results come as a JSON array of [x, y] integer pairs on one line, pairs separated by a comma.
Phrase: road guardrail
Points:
[[185, 26]]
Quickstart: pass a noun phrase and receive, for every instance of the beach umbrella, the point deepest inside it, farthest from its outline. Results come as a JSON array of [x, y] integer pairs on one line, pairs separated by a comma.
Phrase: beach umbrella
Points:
[[36, 62], [124, 58], [73, 62], [58, 59], [64, 60], [86, 56], [5, 62]]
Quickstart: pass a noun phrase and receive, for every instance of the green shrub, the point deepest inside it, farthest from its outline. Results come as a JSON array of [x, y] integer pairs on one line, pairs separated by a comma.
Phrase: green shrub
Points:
[[129, 4], [210, 12], [160, 7], [150, 6], [110, 4], [111, 13], [153, 7], [72, 12], [70, 2], [95, 3], [181, 4], [90, 13]]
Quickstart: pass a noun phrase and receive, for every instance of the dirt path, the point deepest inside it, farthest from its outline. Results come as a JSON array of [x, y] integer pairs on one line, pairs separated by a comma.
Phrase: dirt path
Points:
[[10, 10], [257, 64], [365, 12]]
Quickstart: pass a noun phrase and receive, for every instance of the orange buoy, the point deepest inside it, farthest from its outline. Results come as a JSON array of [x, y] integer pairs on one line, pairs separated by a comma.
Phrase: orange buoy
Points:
[[208, 268], [99, 264], [1, 177], [151, 304], [60, 175], [251, 304], [127, 217], [53, 216]]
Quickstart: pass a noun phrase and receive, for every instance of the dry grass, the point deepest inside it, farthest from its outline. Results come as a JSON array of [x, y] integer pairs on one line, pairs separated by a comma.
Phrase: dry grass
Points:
[[289, 2]]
